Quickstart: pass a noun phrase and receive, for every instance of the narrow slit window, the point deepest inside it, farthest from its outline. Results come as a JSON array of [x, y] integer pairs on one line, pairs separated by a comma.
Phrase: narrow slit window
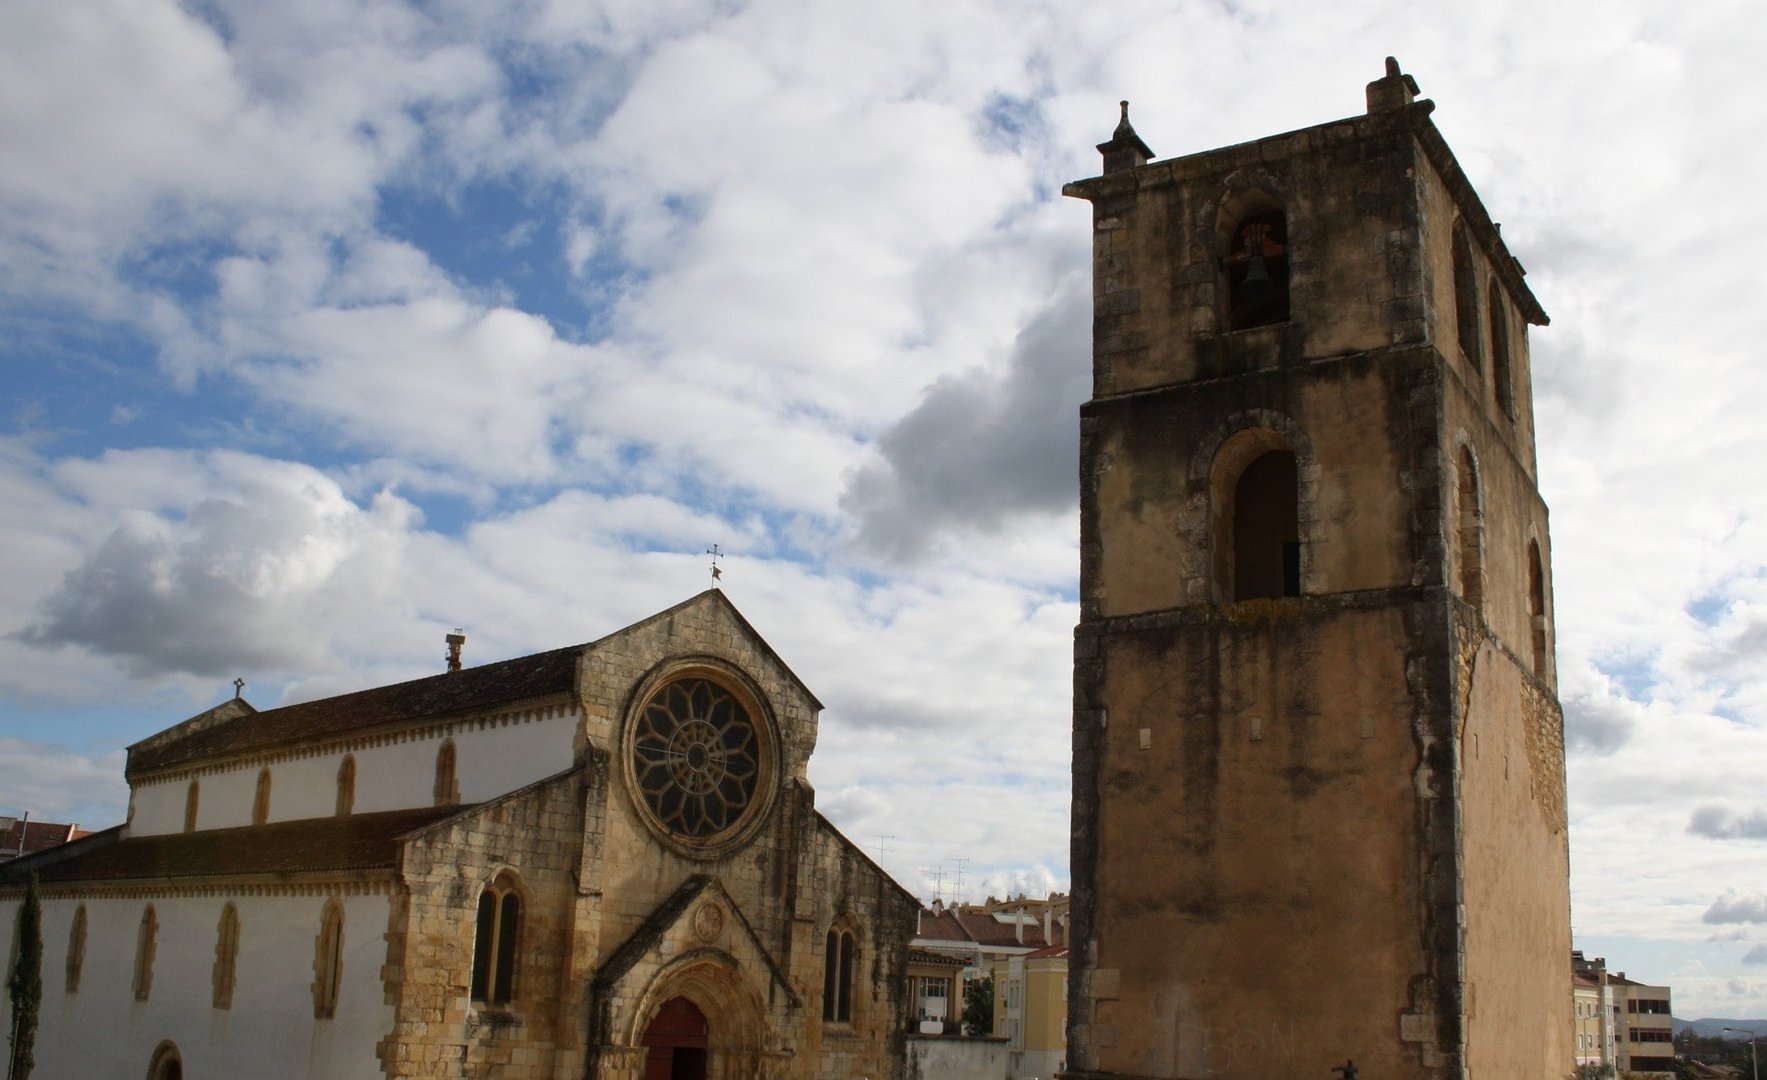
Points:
[[76, 949], [192, 798], [1466, 297], [447, 782], [837, 977], [1537, 607], [226, 957], [261, 800], [1500, 376], [328, 960], [1469, 529], [146, 941], [346, 786]]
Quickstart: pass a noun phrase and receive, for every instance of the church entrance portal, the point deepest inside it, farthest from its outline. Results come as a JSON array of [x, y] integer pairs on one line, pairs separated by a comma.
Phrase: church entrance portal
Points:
[[675, 1042]]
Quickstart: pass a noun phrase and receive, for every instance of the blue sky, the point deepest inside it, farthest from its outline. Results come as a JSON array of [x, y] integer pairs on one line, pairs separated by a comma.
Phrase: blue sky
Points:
[[329, 327]]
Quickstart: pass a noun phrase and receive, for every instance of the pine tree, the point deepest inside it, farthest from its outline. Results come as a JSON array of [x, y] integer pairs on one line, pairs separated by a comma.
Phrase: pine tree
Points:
[[26, 985]]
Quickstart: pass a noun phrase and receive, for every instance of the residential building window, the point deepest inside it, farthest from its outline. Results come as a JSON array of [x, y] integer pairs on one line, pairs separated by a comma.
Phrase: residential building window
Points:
[[499, 936], [837, 977], [76, 949], [447, 783], [346, 785], [226, 956], [192, 795], [328, 959], [261, 800], [145, 943]]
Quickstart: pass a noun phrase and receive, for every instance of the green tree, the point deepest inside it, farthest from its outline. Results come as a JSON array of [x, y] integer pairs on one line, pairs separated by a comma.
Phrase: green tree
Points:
[[978, 1006], [1592, 1071], [26, 985]]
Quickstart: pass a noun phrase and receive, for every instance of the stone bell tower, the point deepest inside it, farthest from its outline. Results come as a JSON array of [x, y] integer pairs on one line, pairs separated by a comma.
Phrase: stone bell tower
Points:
[[1319, 800]]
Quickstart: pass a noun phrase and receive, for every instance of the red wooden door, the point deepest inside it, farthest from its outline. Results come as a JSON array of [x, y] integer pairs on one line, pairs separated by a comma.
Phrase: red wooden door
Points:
[[676, 1042]]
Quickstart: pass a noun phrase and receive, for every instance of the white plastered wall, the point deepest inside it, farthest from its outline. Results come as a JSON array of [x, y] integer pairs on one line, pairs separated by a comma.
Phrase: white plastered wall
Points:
[[269, 1033], [493, 756]]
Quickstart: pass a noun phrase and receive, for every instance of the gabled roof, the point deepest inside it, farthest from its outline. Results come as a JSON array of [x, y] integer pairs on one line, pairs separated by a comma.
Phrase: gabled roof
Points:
[[448, 694], [355, 842]]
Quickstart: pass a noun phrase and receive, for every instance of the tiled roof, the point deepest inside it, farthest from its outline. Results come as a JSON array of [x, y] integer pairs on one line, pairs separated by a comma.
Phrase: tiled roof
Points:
[[987, 930], [26, 837], [447, 694], [927, 956], [355, 842], [1053, 952], [940, 926]]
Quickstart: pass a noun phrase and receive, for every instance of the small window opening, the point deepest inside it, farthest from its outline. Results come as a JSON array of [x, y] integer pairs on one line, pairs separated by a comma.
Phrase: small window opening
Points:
[[261, 800], [192, 797], [1500, 353], [1257, 271], [1466, 297], [499, 935], [1266, 529]]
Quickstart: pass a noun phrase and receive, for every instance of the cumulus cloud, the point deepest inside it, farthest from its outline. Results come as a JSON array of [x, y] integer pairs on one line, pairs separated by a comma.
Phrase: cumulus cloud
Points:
[[55, 783], [1723, 823], [250, 578], [1756, 955], [1734, 908], [981, 448]]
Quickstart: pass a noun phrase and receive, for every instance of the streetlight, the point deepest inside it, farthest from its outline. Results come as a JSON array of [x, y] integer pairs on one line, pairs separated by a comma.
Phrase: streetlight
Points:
[[1754, 1064]]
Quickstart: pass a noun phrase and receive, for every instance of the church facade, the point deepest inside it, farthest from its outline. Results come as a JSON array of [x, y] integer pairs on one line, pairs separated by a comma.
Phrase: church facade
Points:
[[602, 861], [1319, 795]]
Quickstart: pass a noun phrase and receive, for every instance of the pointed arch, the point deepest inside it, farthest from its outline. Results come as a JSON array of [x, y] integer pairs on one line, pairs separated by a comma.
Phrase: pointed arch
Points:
[[738, 1034], [840, 959], [1469, 530], [497, 941], [261, 798], [76, 950], [328, 959], [346, 785], [226, 956], [447, 787]]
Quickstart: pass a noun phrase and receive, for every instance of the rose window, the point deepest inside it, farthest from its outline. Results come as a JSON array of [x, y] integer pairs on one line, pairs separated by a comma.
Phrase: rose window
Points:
[[696, 758]]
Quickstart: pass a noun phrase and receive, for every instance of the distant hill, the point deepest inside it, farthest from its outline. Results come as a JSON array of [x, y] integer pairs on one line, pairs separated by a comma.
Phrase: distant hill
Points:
[[1712, 1029]]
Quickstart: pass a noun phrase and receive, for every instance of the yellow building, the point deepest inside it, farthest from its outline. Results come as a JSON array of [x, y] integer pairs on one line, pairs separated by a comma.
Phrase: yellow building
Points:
[[1644, 1034], [1031, 1010]]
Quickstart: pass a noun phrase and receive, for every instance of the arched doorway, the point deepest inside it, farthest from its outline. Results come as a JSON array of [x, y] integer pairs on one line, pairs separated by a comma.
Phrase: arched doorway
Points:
[[675, 1042]]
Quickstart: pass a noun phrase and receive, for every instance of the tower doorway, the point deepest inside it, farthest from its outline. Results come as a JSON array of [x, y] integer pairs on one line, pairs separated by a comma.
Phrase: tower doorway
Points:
[[676, 1041]]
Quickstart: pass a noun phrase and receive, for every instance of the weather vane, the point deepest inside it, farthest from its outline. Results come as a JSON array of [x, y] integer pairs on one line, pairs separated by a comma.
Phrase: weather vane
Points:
[[717, 574]]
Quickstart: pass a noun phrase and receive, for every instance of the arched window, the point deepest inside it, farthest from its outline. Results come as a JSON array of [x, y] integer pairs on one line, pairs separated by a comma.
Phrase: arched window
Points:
[[328, 959], [499, 936], [1500, 352], [261, 800], [166, 1063], [76, 949], [447, 784], [1469, 532], [146, 940], [1255, 505], [192, 796], [1537, 607], [346, 785], [1466, 297], [1257, 270], [226, 956], [837, 976]]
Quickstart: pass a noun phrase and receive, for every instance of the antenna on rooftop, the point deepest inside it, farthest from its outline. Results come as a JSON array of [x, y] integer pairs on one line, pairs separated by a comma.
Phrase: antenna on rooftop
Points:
[[957, 890], [882, 846]]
